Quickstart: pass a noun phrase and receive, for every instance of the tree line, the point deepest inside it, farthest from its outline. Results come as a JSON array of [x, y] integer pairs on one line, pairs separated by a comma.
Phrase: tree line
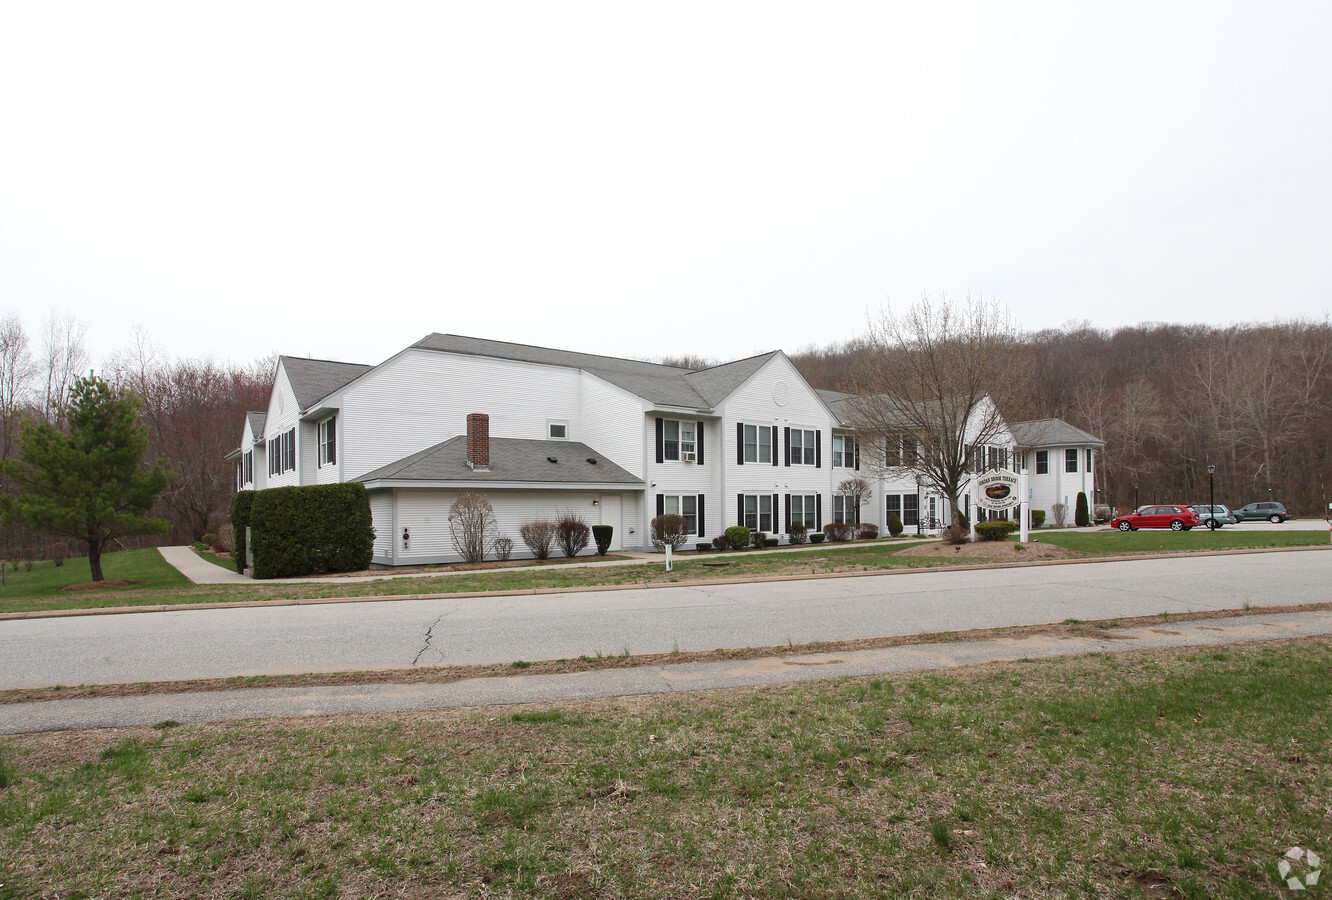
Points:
[[192, 410], [1254, 400]]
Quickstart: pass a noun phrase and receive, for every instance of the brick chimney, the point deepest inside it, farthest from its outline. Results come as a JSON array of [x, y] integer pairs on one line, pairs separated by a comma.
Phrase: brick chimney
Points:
[[478, 440]]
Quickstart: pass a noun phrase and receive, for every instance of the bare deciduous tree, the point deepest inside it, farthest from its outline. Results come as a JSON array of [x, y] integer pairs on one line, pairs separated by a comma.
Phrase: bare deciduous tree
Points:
[[64, 357], [936, 381], [16, 372], [671, 529], [472, 526]]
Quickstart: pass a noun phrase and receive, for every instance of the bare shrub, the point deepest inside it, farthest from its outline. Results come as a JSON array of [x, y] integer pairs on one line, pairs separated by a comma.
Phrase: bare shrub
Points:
[[758, 540], [837, 531], [539, 536], [503, 548], [571, 533], [59, 553], [472, 526], [721, 542], [956, 535], [1060, 511], [867, 531], [797, 533], [670, 530]]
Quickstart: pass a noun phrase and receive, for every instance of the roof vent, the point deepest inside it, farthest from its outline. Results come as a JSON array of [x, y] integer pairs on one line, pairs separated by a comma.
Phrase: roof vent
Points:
[[551, 459], [591, 460]]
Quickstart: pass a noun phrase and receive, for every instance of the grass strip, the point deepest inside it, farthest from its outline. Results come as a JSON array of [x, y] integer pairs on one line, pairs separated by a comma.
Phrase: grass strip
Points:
[[1182, 773]]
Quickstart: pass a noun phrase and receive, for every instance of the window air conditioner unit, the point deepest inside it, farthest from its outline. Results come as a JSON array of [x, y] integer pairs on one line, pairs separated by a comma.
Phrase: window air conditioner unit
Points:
[[687, 457]]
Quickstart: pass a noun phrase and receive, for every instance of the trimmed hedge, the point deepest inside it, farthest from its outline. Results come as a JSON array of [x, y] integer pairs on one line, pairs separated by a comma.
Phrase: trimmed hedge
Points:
[[1037, 518], [995, 530], [738, 536], [240, 520], [311, 529], [894, 524]]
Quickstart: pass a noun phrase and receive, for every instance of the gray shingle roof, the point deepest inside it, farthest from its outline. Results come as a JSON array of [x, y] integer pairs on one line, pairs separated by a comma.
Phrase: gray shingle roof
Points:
[[1050, 433], [657, 383], [511, 460], [256, 420], [314, 379]]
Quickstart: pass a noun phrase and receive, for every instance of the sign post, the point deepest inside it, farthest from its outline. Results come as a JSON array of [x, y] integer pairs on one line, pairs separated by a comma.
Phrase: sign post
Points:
[[670, 565], [1025, 513]]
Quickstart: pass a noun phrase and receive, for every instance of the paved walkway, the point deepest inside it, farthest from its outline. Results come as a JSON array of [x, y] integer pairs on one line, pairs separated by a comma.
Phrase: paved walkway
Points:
[[117, 712]]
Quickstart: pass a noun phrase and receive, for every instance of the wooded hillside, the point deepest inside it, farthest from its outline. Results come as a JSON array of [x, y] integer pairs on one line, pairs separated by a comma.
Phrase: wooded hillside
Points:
[[1255, 400]]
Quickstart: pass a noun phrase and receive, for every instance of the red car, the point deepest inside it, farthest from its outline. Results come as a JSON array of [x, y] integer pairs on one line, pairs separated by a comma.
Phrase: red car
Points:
[[1176, 518]]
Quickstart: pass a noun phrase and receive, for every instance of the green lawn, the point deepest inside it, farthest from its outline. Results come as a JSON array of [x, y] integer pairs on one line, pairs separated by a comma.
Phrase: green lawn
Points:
[[1163, 540], [47, 581], [1168, 774]]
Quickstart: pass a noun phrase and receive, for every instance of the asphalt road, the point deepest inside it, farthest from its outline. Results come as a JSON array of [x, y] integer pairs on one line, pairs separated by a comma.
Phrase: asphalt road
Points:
[[194, 643]]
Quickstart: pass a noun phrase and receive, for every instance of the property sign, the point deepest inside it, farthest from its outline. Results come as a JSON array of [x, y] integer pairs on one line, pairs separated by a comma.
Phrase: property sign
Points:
[[997, 490]]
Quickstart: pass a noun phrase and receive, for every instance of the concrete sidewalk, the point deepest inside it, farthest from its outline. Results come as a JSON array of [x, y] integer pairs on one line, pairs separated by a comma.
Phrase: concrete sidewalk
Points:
[[116, 712]]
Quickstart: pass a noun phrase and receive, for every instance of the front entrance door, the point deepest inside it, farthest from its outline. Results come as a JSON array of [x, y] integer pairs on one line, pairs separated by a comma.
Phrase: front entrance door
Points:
[[610, 515]]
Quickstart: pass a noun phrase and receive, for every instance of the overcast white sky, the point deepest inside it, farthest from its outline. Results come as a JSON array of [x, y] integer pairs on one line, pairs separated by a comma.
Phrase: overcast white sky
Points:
[[338, 180]]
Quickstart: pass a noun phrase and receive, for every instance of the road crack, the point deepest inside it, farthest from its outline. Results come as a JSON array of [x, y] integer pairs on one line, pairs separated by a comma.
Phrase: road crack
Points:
[[429, 636]]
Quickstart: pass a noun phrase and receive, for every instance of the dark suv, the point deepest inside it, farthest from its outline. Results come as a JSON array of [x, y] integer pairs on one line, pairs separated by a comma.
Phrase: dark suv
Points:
[[1254, 512]]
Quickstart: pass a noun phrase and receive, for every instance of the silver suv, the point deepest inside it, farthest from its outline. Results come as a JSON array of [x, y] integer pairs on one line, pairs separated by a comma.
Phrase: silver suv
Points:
[[1272, 512], [1214, 516]]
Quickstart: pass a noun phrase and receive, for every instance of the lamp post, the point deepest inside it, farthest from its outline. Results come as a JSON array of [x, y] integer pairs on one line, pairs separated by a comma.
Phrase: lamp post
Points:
[[1153, 496], [1211, 496], [920, 513], [1135, 496]]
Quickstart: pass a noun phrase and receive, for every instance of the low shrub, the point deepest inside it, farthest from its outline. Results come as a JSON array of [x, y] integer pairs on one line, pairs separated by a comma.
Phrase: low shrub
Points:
[[894, 524], [838, 531], [503, 548], [797, 533], [816, 538], [1037, 518], [721, 542], [539, 536], [738, 536], [571, 533], [867, 531], [758, 540], [773, 542], [703, 546], [601, 536], [670, 530], [995, 531], [956, 535]]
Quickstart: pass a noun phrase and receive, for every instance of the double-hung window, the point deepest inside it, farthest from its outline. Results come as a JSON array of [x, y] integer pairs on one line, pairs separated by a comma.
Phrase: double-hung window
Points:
[[678, 440], [844, 452], [328, 441], [843, 509], [1070, 460], [758, 512], [803, 446], [682, 505], [802, 510], [1042, 462], [758, 443]]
